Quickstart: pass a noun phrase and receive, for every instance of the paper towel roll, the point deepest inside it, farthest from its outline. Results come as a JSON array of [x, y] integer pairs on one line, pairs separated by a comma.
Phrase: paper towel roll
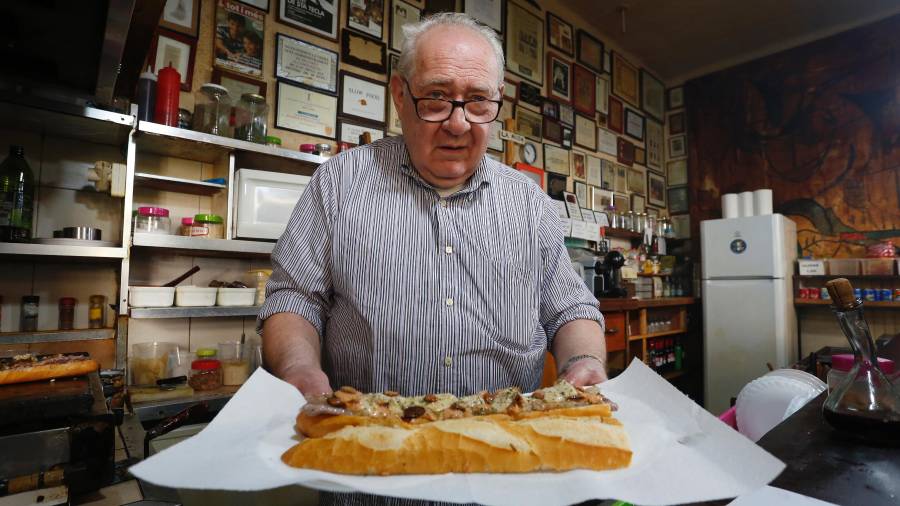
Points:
[[745, 204], [730, 205], [762, 202]]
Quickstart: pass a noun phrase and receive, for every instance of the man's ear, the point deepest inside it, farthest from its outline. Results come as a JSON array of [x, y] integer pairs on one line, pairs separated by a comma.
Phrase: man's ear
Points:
[[397, 92]]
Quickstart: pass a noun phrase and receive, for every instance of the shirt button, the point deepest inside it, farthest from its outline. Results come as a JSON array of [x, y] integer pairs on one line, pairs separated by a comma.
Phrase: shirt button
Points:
[[449, 301], [448, 361], [448, 250], [443, 202]]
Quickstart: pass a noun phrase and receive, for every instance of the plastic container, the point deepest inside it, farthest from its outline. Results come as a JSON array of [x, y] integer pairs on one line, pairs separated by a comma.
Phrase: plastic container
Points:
[[235, 360], [250, 115], [151, 296], [214, 224], [261, 276], [190, 229], [146, 95], [150, 362], [236, 297], [194, 296], [168, 93], [878, 267], [97, 312], [212, 110], [67, 313], [206, 374], [180, 362], [152, 220], [843, 266]]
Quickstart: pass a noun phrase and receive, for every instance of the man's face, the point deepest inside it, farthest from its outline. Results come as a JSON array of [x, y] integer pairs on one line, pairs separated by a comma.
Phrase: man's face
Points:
[[452, 63], [233, 28]]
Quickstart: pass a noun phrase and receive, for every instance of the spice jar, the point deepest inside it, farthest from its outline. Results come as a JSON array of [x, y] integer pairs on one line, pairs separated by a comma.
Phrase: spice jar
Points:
[[213, 224], [250, 118], [29, 313], [271, 140], [67, 313], [97, 312], [206, 374], [323, 150], [212, 110], [152, 220], [191, 229], [308, 148]]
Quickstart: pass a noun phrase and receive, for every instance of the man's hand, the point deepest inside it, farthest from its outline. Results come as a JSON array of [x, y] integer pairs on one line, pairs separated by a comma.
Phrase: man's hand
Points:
[[310, 382], [584, 372]]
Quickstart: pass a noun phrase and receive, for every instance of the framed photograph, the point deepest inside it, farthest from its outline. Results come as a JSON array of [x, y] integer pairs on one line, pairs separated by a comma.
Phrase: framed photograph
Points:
[[318, 18], [182, 16], [581, 193], [510, 90], [533, 173], [305, 64], [566, 115], [607, 174], [556, 186], [556, 159], [559, 77], [602, 99], [552, 130], [638, 203], [594, 170], [488, 12], [560, 35], [366, 16], [624, 152], [529, 123], [601, 199], [621, 180], [550, 109], [653, 212], [676, 172], [579, 166], [524, 43], [584, 91], [567, 137], [640, 156], [494, 140], [606, 142], [634, 125], [349, 131], [394, 126], [239, 37], [655, 145], [653, 95], [238, 84], [585, 132], [676, 123], [656, 189], [305, 111], [681, 226], [615, 120], [678, 200], [362, 98], [262, 5], [530, 95], [625, 80], [402, 13], [676, 97], [677, 146], [177, 50], [363, 52], [637, 180], [622, 203], [590, 51]]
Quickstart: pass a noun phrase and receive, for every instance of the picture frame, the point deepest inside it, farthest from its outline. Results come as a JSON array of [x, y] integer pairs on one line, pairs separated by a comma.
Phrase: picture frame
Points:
[[305, 64], [402, 13], [579, 166], [584, 90], [624, 151], [550, 109], [510, 90], [393, 125], [601, 199], [677, 146], [622, 202], [560, 34], [238, 45], [533, 173], [590, 51], [552, 130], [529, 123], [350, 130], [524, 43], [567, 137], [594, 171], [362, 98], [566, 115], [488, 12], [607, 142], [319, 18], [634, 124], [436, 6], [176, 48], [625, 80], [559, 78], [366, 17], [656, 189], [262, 5], [681, 226], [180, 18], [640, 156], [556, 186], [238, 84], [305, 111], [615, 120], [607, 174], [678, 200], [653, 212], [556, 160], [675, 97], [653, 96], [620, 183], [655, 145], [494, 141], [602, 92], [677, 172], [638, 203], [581, 193], [363, 52], [585, 132], [676, 123], [531, 95], [637, 180]]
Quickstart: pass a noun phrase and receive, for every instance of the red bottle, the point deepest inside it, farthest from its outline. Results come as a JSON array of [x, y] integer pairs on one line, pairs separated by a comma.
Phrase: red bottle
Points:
[[168, 86]]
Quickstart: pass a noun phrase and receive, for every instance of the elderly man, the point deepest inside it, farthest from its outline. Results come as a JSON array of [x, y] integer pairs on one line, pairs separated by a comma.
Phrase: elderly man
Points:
[[416, 263]]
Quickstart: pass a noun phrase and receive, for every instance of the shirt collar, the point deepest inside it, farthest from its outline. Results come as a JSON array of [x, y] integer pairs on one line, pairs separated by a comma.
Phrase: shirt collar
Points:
[[480, 178]]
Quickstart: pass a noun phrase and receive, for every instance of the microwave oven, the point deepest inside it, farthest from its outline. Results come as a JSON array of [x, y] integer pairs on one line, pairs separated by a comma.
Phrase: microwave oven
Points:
[[264, 202]]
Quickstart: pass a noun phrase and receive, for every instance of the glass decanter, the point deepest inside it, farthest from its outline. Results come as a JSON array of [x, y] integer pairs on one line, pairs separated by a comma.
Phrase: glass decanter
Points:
[[864, 404]]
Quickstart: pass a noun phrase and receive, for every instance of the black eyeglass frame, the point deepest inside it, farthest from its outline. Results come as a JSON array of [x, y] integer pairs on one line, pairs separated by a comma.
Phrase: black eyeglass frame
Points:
[[454, 103]]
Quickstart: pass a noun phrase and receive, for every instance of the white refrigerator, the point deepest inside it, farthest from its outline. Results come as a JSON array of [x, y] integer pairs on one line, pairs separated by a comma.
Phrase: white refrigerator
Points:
[[748, 311]]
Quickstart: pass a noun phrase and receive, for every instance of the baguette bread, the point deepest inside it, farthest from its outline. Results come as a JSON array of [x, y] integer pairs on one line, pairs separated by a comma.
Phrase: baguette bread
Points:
[[24, 368]]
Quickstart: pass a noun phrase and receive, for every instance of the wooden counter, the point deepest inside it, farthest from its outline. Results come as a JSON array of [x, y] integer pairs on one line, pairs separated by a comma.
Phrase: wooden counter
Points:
[[619, 304]]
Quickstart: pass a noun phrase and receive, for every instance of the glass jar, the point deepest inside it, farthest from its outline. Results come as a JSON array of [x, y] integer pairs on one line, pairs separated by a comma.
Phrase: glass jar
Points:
[[152, 220], [212, 110], [235, 363], [213, 224], [66, 313], [29, 313], [206, 374], [250, 116], [97, 312], [323, 150], [308, 148], [639, 222], [191, 229], [628, 221], [261, 276], [842, 363]]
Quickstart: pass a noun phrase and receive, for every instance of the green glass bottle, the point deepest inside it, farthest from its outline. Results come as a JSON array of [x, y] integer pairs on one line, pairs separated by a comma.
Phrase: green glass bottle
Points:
[[16, 197]]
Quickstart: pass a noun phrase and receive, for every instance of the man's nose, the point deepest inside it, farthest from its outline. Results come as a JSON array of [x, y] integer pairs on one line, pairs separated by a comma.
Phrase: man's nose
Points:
[[456, 124]]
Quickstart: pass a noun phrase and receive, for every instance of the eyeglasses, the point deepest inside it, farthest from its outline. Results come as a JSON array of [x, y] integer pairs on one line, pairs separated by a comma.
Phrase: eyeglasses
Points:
[[438, 110]]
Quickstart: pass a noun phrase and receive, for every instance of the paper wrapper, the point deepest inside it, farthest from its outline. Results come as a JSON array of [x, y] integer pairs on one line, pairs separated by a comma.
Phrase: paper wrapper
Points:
[[681, 454]]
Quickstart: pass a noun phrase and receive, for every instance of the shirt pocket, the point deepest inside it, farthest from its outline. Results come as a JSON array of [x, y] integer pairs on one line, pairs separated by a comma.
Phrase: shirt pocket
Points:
[[515, 311]]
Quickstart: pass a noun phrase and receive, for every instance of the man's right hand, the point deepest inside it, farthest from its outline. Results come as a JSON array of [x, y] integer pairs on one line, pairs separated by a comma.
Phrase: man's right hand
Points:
[[309, 382]]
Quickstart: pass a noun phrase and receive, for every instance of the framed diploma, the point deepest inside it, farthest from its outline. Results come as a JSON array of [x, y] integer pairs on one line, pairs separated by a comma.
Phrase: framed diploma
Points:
[[305, 111], [634, 125], [653, 95], [362, 98], [402, 13], [584, 90], [655, 146], [349, 131], [318, 18], [524, 43], [303, 63], [556, 159], [585, 132], [489, 12], [363, 52], [625, 80]]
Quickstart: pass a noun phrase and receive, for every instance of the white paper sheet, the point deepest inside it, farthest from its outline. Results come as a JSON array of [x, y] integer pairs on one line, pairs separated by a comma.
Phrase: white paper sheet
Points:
[[681, 454]]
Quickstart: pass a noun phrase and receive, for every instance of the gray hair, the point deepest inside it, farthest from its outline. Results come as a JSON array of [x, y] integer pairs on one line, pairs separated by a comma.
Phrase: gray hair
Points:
[[413, 32]]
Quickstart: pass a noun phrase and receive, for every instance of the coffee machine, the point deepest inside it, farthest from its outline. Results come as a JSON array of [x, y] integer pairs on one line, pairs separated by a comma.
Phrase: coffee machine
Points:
[[609, 283]]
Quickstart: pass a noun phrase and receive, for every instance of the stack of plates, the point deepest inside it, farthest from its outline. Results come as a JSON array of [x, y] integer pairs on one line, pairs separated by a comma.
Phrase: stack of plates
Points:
[[765, 402]]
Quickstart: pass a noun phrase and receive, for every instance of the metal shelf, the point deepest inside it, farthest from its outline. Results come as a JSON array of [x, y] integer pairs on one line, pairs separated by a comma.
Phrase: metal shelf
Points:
[[157, 410], [56, 336], [177, 184], [866, 304], [53, 250], [188, 144], [861, 277], [204, 247], [193, 312], [89, 124]]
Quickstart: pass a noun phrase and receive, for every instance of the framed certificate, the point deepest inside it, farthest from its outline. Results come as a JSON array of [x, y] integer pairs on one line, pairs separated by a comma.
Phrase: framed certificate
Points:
[[362, 98], [318, 18], [653, 95], [585, 132], [349, 131], [303, 63], [402, 13], [489, 12], [556, 159], [655, 145], [634, 125], [625, 80], [305, 111], [584, 90], [524, 43], [363, 52]]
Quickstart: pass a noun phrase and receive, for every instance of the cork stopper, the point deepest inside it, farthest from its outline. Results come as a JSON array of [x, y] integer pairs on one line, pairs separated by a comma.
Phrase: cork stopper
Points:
[[841, 292]]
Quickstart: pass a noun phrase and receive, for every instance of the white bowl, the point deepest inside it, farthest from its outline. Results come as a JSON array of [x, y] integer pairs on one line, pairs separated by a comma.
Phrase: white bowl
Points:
[[765, 402], [151, 296], [193, 296], [803, 376], [236, 297]]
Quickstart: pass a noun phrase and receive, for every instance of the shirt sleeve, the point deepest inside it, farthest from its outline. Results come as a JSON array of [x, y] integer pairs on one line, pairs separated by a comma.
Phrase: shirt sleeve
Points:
[[301, 280], [564, 296]]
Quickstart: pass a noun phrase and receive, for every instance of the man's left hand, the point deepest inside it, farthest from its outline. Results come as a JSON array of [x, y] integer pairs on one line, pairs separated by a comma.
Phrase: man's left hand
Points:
[[584, 372]]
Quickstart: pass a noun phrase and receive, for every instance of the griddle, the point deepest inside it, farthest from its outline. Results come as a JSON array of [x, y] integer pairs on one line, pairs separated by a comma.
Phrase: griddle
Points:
[[23, 403]]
